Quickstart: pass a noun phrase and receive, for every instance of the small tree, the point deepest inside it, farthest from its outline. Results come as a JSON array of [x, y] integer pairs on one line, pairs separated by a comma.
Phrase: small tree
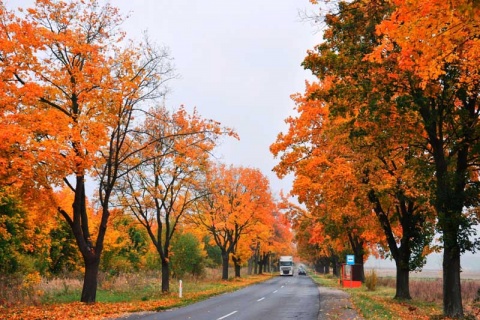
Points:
[[187, 256], [237, 199], [161, 182]]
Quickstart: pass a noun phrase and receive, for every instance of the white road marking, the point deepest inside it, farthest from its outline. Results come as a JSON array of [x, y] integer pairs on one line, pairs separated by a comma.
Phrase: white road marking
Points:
[[261, 299], [275, 291], [227, 315]]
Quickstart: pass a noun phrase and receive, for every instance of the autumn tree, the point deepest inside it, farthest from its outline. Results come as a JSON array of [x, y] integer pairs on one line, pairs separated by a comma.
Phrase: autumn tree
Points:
[[387, 144], [437, 43], [325, 180], [312, 245], [360, 134], [70, 92], [275, 241], [237, 200], [162, 182]]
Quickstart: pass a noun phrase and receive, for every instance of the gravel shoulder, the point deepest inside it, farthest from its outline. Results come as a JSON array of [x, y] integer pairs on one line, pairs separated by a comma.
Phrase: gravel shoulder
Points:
[[335, 304]]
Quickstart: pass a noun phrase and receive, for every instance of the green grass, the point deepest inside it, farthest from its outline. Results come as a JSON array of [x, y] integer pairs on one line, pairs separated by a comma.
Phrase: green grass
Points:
[[147, 289], [380, 303], [366, 304]]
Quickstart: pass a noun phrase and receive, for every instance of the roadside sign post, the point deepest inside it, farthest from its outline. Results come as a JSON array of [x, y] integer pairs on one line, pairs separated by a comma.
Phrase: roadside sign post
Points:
[[180, 289], [350, 273]]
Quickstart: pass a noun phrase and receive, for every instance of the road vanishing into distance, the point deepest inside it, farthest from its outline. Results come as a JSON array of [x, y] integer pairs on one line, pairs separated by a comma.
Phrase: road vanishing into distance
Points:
[[283, 298]]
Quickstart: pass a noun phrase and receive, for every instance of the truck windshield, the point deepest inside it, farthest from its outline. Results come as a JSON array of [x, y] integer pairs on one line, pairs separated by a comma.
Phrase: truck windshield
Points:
[[286, 263]]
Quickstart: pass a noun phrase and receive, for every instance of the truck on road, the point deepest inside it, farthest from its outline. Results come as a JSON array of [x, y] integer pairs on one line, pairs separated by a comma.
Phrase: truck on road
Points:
[[286, 266]]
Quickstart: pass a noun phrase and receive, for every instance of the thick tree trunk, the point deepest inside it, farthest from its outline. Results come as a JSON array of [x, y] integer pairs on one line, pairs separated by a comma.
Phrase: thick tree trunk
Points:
[[237, 266], [237, 270], [359, 260], [403, 283], [165, 276], [90, 279], [225, 265], [452, 297]]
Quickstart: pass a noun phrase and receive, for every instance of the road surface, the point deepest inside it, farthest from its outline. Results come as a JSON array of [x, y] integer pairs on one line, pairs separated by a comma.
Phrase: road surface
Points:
[[278, 298]]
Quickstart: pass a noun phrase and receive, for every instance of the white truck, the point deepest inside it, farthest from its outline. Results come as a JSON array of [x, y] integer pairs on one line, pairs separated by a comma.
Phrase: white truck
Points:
[[286, 266]]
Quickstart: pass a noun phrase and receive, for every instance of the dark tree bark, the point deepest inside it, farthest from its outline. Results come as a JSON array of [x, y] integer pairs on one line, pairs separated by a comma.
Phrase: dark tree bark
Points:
[[90, 252], [165, 276], [453, 155], [90, 280], [335, 265], [237, 266], [225, 258], [403, 283]]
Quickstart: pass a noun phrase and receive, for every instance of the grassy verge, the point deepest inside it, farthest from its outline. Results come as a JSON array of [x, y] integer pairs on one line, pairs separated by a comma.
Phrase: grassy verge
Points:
[[119, 299], [380, 304]]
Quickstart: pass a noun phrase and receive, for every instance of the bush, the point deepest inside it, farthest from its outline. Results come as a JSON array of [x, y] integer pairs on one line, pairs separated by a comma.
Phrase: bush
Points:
[[187, 256], [371, 280]]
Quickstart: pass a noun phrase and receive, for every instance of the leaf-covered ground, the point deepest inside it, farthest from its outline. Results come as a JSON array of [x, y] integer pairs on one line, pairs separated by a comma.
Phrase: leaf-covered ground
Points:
[[99, 310]]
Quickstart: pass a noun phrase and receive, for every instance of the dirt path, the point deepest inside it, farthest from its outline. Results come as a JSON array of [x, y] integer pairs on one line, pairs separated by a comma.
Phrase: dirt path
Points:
[[335, 304]]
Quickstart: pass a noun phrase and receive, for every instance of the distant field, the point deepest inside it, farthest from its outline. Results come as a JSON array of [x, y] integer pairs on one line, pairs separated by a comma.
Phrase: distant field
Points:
[[429, 273]]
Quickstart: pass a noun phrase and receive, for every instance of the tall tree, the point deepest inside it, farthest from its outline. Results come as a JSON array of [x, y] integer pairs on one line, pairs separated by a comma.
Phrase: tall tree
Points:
[[437, 42], [70, 89], [365, 138]]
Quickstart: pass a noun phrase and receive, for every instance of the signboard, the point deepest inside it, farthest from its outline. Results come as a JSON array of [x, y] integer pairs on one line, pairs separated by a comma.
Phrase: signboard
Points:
[[350, 259]]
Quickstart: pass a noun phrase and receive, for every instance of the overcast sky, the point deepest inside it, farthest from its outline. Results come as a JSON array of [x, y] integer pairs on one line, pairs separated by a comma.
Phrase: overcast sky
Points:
[[238, 61]]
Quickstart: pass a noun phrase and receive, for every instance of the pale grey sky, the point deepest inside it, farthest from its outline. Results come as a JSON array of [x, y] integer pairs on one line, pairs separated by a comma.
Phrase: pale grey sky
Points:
[[238, 61]]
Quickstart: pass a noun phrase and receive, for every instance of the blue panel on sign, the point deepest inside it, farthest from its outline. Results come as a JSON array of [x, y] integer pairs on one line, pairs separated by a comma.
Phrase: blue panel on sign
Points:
[[350, 259]]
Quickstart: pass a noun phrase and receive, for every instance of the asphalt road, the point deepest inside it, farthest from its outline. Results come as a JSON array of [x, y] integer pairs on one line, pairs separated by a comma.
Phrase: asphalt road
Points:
[[282, 298]]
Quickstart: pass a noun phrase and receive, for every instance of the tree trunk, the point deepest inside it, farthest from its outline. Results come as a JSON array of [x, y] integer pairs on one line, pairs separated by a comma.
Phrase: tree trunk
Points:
[[237, 266], [237, 270], [90, 279], [165, 276], [250, 266], [225, 265], [452, 297], [335, 266], [403, 280]]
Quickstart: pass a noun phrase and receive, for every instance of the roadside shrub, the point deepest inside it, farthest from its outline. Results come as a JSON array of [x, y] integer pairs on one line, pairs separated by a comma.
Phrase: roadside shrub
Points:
[[371, 280], [187, 256]]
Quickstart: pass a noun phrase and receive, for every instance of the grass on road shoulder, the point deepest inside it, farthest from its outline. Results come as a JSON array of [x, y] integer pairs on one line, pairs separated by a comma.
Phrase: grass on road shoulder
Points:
[[379, 304]]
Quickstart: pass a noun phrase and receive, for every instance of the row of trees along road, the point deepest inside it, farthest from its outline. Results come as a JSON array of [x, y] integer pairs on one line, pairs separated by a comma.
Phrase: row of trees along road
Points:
[[386, 144], [74, 104]]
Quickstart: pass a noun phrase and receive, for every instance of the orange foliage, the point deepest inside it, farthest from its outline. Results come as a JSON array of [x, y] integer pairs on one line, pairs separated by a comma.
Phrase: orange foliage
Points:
[[431, 34], [237, 210]]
